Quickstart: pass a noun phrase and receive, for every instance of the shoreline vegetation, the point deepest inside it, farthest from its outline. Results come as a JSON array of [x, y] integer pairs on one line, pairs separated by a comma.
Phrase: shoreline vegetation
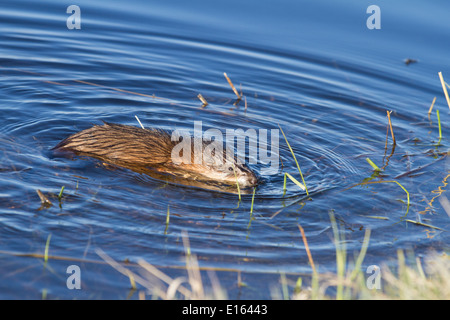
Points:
[[413, 278]]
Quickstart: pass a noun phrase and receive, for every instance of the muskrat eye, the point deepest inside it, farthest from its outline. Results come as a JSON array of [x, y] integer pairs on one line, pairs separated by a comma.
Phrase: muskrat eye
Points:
[[230, 168]]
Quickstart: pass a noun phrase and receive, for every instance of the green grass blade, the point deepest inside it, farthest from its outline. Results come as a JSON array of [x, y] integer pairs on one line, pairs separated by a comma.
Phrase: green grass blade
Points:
[[61, 193], [301, 186], [253, 200], [295, 159], [374, 166], [439, 123], [47, 245], [237, 183]]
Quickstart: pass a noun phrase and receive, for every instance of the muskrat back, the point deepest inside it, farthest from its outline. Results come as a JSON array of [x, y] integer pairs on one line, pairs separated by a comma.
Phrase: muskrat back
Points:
[[132, 147]]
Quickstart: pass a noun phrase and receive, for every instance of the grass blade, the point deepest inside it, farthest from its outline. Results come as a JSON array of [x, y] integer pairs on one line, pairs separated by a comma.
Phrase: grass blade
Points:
[[295, 159]]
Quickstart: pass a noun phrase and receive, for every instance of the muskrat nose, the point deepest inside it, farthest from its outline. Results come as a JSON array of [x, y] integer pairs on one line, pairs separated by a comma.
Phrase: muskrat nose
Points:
[[252, 180]]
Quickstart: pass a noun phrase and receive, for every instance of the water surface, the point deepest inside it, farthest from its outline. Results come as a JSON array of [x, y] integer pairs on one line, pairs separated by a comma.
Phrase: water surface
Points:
[[314, 69]]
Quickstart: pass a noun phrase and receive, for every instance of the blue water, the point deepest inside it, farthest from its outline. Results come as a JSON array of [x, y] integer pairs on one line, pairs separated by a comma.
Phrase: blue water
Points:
[[313, 68]]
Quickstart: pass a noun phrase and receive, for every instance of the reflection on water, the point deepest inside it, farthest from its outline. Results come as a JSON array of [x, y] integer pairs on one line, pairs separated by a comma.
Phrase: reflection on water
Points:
[[314, 70]]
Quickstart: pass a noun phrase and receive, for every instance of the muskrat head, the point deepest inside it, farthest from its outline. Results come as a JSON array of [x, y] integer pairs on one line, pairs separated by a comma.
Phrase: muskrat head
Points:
[[208, 161], [230, 171]]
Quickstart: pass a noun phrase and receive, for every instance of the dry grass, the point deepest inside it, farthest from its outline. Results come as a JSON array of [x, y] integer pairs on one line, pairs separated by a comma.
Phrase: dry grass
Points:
[[412, 282], [203, 100], [232, 86], [406, 282], [441, 78], [390, 126]]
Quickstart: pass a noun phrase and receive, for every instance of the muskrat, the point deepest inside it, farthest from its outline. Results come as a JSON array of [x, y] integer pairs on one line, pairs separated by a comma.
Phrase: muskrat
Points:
[[135, 148]]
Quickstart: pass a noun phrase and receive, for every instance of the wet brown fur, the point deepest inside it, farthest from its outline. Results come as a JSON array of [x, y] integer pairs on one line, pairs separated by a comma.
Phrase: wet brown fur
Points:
[[133, 147], [121, 144]]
